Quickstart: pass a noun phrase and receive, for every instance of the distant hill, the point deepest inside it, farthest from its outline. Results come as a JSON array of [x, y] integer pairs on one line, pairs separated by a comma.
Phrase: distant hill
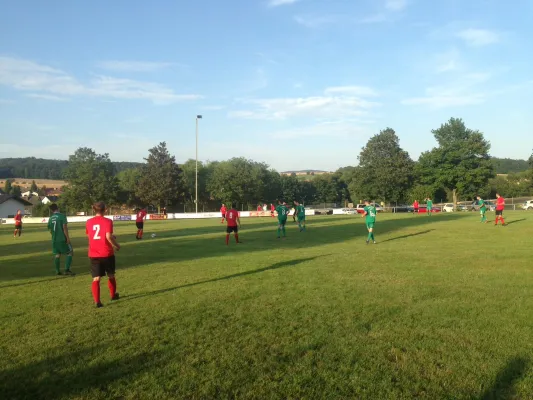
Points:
[[41, 168], [509, 166]]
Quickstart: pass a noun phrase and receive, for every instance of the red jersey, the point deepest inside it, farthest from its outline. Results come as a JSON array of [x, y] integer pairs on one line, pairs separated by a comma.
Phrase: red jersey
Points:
[[141, 215], [18, 219], [223, 210], [259, 208], [96, 228], [272, 208], [231, 217], [415, 204], [500, 203]]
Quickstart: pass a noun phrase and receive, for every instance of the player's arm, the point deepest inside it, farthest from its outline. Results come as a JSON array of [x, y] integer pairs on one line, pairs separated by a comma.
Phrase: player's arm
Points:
[[65, 231], [112, 239], [239, 220]]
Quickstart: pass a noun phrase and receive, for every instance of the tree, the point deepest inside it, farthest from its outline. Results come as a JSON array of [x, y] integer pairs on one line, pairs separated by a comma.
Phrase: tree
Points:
[[189, 181], [127, 182], [290, 188], [160, 183], [385, 170], [242, 181], [42, 191], [460, 163], [91, 178], [34, 187], [17, 191], [325, 187], [8, 187]]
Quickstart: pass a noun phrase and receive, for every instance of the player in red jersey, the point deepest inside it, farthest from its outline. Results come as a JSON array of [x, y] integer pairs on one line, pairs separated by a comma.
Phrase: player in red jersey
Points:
[[223, 211], [102, 244], [500, 206], [272, 210], [259, 208], [415, 207], [18, 224], [139, 222], [234, 223]]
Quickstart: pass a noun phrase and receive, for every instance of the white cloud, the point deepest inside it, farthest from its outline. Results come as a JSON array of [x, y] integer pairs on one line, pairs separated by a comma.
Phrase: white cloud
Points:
[[133, 66], [395, 5], [446, 100], [343, 105], [352, 90], [27, 75], [478, 37], [448, 61], [46, 97], [7, 101], [316, 21], [277, 3]]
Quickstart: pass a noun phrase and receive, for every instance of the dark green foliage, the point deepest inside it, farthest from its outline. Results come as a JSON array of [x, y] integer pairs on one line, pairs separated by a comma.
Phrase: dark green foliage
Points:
[[508, 166], [8, 187], [40, 168], [34, 187], [17, 191], [91, 178], [160, 183], [385, 170], [460, 163]]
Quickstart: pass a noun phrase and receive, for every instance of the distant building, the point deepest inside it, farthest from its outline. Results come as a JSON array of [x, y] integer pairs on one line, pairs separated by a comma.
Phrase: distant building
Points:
[[29, 194], [9, 205]]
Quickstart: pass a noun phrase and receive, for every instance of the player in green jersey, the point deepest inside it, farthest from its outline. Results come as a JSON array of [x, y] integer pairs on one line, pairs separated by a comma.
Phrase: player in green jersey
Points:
[[370, 218], [283, 212], [429, 206], [482, 209], [299, 212], [57, 225]]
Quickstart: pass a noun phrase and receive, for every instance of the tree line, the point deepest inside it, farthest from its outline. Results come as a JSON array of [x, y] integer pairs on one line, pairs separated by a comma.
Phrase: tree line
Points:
[[457, 168], [40, 168]]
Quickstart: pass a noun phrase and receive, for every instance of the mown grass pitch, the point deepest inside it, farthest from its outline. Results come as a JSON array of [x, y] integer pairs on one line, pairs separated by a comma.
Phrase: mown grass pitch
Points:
[[440, 308]]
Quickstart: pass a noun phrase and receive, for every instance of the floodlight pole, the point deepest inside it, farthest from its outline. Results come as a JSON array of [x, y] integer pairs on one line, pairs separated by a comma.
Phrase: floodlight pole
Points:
[[196, 180]]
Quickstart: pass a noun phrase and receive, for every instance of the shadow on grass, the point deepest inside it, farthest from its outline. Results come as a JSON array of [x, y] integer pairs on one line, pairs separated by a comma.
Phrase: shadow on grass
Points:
[[408, 236], [503, 385], [53, 377], [320, 232], [515, 221], [283, 264]]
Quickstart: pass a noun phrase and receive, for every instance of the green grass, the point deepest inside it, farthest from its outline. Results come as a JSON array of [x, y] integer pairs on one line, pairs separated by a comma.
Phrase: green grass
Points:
[[440, 308]]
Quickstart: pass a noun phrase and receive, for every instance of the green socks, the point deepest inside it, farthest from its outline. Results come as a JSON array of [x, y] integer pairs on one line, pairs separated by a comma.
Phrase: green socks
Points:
[[283, 230], [68, 263], [369, 238], [279, 232], [57, 260]]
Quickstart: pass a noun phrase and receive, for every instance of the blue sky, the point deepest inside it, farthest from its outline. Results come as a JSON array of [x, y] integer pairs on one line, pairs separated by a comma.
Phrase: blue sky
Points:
[[295, 83]]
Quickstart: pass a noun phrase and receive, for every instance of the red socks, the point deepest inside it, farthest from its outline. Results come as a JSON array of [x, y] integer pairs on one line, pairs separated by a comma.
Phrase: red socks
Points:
[[227, 240], [96, 291], [236, 238], [112, 284]]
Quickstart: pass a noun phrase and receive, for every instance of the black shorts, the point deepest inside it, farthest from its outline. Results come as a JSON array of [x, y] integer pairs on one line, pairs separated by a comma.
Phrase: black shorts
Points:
[[140, 225], [102, 266], [223, 216], [416, 210], [230, 229], [499, 212], [19, 227]]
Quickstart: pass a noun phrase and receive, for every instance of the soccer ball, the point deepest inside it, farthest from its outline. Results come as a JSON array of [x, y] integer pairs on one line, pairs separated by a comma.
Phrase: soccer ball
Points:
[[153, 235]]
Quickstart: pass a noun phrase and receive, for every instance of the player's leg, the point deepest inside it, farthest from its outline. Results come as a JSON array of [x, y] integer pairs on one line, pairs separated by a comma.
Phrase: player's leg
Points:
[[228, 233], [111, 280], [236, 233], [141, 230], [97, 271], [369, 237], [501, 219], [279, 229], [283, 230], [69, 251]]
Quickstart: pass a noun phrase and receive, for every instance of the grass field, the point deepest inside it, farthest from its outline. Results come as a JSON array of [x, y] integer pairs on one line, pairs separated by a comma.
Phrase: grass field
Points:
[[440, 308]]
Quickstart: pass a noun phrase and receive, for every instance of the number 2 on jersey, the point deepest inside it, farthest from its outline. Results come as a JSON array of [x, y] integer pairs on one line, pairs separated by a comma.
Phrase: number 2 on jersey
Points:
[[96, 229]]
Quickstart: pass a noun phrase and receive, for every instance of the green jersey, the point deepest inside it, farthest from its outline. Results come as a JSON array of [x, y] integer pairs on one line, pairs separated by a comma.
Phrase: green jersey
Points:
[[482, 204], [300, 211], [55, 226], [429, 204], [370, 214], [282, 211]]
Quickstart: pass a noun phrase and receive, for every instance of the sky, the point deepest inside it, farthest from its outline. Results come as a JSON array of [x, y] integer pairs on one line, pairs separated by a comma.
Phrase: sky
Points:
[[298, 84]]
